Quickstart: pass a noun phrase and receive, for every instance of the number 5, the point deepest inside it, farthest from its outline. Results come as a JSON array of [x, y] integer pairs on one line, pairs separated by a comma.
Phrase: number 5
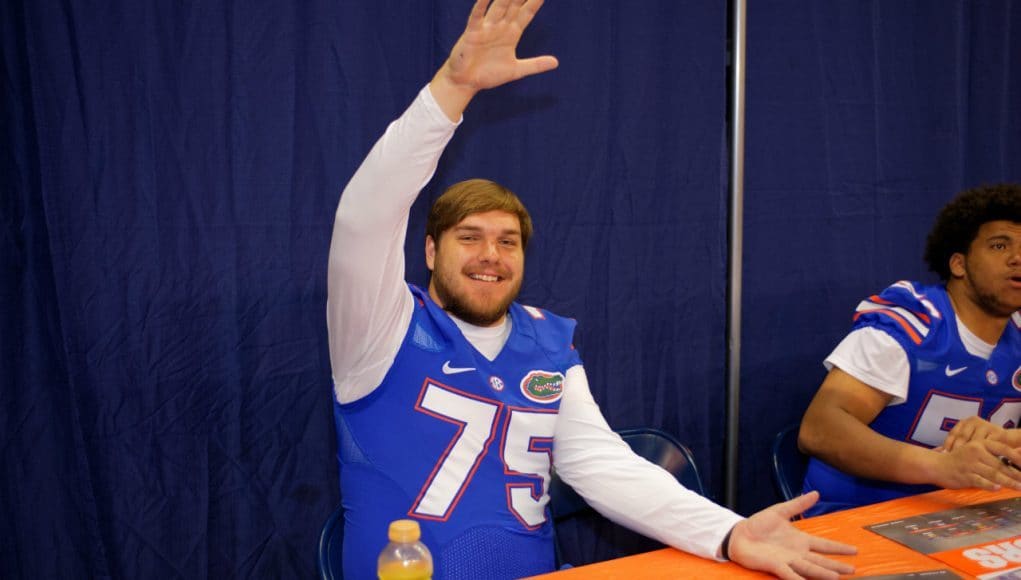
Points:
[[941, 412], [526, 449]]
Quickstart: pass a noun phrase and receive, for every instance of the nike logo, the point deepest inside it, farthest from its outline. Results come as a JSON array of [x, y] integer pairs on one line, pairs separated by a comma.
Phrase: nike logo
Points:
[[951, 372], [449, 370]]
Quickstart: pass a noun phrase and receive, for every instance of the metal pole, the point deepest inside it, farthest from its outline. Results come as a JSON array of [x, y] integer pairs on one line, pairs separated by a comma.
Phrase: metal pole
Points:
[[736, 244]]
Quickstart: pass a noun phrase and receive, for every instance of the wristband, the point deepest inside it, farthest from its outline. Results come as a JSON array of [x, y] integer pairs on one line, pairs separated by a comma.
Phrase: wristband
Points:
[[725, 546]]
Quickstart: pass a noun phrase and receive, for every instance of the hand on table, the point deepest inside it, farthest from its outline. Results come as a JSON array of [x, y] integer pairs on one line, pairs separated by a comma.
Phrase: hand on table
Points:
[[768, 542], [979, 463], [976, 428]]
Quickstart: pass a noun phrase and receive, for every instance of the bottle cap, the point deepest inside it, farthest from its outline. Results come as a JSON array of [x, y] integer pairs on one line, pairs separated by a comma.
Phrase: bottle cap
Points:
[[404, 531]]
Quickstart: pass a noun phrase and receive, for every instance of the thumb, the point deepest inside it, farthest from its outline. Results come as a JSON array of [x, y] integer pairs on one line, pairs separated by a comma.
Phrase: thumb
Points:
[[796, 506], [539, 64]]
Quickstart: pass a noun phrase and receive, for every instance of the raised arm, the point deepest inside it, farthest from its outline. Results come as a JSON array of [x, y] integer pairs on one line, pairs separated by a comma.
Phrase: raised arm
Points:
[[369, 306]]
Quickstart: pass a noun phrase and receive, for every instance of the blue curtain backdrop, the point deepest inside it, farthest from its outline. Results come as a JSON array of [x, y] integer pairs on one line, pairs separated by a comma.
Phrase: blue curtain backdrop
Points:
[[170, 173], [863, 119]]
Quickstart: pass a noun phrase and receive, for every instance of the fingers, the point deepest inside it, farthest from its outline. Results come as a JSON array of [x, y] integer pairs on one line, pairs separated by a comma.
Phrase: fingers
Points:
[[791, 508], [824, 546], [527, 12], [1003, 474], [812, 566], [948, 443], [956, 436], [831, 564], [985, 464], [478, 13], [965, 430], [807, 569], [1002, 450], [497, 10], [785, 572], [1011, 437], [984, 477], [1002, 465], [988, 465], [520, 12], [971, 429]]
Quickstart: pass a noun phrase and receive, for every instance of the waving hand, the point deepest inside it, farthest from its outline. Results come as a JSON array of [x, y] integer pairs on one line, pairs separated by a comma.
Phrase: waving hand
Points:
[[486, 54]]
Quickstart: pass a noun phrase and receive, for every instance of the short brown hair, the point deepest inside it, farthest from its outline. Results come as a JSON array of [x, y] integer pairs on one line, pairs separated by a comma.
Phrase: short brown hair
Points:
[[471, 197]]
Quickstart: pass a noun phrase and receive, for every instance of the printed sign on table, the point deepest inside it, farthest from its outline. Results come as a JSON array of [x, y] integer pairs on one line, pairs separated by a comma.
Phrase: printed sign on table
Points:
[[927, 575], [983, 539]]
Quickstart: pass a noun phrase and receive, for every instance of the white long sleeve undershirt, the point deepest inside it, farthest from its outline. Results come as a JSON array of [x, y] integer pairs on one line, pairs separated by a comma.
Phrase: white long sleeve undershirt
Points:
[[369, 310]]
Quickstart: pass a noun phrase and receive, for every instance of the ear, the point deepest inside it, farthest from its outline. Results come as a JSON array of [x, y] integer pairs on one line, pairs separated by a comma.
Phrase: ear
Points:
[[957, 263], [430, 252]]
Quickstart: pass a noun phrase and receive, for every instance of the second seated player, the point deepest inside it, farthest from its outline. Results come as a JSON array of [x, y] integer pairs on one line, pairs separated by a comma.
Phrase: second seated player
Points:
[[926, 389]]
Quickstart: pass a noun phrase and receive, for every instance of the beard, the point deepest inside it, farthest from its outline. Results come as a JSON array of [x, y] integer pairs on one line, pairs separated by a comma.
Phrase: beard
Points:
[[987, 299], [460, 305]]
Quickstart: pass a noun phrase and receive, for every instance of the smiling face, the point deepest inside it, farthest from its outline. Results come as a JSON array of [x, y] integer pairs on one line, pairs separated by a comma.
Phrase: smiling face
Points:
[[989, 274], [477, 266]]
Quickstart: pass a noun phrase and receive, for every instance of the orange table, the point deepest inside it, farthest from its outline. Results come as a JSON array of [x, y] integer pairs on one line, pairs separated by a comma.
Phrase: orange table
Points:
[[876, 554]]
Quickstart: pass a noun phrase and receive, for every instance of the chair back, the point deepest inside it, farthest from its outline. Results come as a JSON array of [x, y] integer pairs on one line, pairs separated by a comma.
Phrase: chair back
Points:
[[666, 451], [331, 547], [789, 463], [655, 446]]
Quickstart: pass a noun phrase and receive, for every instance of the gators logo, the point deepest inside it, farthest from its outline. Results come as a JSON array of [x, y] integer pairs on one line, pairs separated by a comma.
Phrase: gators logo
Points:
[[542, 386]]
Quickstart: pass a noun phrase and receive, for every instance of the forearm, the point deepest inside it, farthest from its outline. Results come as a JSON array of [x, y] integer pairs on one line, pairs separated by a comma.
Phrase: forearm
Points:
[[368, 302], [386, 184], [451, 96], [843, 441], [625, 488]]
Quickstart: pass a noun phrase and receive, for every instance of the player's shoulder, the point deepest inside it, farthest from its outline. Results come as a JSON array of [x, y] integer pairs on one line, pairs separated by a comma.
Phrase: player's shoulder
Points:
[[419, 294], [543, 320], [1015, 323], [552, 332], [905, 309]]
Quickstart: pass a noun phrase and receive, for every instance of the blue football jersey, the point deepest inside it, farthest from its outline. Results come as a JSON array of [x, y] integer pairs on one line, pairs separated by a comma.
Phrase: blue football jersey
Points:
[[459, 443], [947, 384]]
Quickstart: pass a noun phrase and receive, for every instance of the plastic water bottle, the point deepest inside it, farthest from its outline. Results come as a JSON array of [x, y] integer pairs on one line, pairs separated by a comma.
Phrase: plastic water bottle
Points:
[[405, 557]]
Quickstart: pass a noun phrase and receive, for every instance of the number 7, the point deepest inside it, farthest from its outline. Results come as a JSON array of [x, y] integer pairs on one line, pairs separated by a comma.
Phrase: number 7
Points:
[[525, 450]]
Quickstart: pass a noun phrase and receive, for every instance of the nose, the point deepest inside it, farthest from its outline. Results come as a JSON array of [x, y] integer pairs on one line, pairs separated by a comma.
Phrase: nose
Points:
[[1015, 257], [489, 251]]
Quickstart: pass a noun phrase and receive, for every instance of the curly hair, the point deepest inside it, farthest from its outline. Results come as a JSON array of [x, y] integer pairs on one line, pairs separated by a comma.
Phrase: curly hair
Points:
[[958, 222]]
